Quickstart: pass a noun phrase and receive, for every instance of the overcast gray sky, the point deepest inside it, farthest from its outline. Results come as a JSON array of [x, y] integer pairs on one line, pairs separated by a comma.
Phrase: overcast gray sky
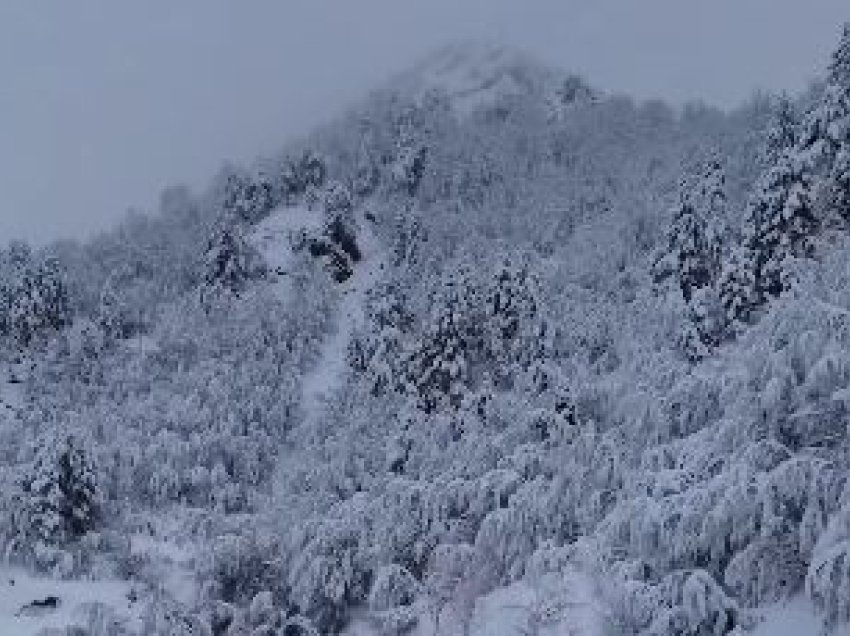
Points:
[[104, 103]]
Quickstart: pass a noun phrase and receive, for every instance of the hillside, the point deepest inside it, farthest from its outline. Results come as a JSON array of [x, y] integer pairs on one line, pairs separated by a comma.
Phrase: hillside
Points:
[[492, 353]]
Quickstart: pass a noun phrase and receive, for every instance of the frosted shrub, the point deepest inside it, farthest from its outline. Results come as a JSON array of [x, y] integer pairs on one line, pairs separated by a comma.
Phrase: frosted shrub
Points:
[[239, 567], [390, 602], [698, 607], [59, 498]]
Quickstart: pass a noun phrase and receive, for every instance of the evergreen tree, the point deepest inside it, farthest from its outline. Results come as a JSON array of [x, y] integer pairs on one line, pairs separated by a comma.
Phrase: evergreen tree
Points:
[[693, 244], [337, 243], [514, 329], [780, 220], [307, 172], [13, 263], [736, 288], [783, 133], [230, 261], [779, 225], [339, 224], [377, 352], [692, 257], [35, 298], [437, 370], [825, 142], [113, 316], [246, 197], [60, 494]]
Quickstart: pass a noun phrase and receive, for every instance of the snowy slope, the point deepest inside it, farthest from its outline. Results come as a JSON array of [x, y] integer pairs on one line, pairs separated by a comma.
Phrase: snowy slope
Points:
[[10, 393], [276, 236], [329, 371], [795, 617], [551, 605], [18, 589]]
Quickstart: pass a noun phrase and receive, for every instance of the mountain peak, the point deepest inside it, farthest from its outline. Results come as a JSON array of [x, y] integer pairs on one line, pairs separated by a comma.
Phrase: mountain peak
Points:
[[475, 74]]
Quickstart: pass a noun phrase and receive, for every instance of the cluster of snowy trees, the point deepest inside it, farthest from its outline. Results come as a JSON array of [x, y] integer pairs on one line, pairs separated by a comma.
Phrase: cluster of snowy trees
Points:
[[604, 335]]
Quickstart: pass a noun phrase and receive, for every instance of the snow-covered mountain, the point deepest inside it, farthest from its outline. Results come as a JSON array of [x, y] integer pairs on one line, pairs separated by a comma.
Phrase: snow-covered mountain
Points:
[[442, 371]]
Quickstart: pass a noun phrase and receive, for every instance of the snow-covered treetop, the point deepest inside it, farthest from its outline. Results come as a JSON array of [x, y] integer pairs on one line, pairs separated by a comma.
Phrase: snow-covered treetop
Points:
[[839, 67]]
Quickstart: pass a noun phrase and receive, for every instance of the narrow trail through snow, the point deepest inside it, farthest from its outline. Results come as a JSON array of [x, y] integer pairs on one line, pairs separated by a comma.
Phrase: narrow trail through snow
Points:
[[275, 237], [328, 373]]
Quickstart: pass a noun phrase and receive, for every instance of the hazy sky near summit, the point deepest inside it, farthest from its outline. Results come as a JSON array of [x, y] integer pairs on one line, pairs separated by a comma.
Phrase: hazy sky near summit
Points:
[[104, 103]]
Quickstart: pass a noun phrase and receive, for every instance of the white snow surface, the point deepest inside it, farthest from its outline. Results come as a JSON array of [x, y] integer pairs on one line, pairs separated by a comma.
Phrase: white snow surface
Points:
[[10, 393], [19, 588], [173, 561], [795, 617], [277, 234], [551, 605]]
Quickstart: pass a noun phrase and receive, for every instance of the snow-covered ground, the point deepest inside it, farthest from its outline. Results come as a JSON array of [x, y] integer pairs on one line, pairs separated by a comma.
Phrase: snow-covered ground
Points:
[[11, 399], [794, 617], [275, 238], [18, 589], [329, 371], [172, 561], [551, 605]]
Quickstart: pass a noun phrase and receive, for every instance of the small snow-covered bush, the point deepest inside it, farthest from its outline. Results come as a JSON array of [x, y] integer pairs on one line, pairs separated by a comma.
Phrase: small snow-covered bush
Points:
[[239, 567], [393, 587], [693, 605]]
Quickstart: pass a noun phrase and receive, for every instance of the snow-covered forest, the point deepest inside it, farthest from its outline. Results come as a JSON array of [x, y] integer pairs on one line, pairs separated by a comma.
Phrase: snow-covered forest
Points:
[[493, 353]]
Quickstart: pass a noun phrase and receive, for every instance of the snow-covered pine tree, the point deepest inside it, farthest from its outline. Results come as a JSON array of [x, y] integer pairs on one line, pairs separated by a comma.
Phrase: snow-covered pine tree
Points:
[[778, 224], [825, 141], [410, 154], [437, 369], [13, 262], [736, 288], [692, 257], [60, 497], [37, 297], [299, 175], [377, 352], [339, 224], [692, 252], [230, 261], [337, 243], [839, 76], [248, 197], [783, 133], [514, 328], [781, 220], [113, 316], [409, 237]]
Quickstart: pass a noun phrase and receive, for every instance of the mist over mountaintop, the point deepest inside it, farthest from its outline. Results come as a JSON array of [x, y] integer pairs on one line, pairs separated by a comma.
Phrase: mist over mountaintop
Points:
[[473, 74]]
